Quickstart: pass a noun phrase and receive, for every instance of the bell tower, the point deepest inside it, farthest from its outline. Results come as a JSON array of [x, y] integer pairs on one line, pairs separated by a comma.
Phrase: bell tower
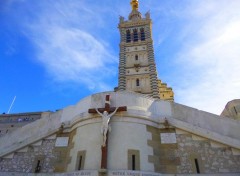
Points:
[[137, 68]]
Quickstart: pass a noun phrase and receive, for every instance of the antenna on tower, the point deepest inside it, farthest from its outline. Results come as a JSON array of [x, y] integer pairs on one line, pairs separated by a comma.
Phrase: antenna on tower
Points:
[[11, 105]]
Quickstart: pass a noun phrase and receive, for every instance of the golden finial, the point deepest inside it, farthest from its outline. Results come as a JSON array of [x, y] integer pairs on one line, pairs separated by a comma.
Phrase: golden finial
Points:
[[134, 4]]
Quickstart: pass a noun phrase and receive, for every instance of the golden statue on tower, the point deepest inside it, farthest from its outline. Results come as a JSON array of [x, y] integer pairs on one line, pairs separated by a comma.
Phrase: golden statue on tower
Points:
[[134, 4]]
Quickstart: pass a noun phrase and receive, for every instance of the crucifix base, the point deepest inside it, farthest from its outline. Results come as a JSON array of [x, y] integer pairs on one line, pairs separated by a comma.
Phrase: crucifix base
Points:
[[104, 155], [102, 171]]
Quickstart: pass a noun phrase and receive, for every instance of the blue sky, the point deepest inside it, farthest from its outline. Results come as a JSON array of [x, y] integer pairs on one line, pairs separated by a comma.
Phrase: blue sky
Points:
[[55, 52]]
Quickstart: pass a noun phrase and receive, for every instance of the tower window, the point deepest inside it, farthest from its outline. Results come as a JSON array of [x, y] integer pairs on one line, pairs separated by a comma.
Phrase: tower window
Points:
[[136, 57], [128, 36], [137, 82], [142, 34], [135, 35]]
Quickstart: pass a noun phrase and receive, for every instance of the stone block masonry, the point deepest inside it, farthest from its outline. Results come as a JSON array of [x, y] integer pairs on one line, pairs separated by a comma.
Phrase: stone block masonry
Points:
[[27, 161], [210, 159], [190, 156]]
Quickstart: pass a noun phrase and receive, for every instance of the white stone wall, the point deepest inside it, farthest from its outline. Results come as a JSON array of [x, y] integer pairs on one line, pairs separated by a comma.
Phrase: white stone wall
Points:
[[125, 136], [88, 138]]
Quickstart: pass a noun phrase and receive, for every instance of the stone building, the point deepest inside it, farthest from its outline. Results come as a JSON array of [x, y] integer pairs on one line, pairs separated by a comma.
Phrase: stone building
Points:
[[133, 131], [232, 109], [137, 68], [10, 122]]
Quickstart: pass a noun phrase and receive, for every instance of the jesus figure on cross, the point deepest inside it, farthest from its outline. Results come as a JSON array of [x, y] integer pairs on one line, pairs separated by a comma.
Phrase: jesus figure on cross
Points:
[[106, 113], [105, 123]]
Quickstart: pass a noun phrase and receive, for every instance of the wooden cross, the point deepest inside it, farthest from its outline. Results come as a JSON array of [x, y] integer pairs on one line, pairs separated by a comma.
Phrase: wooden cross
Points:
[[109, 110]]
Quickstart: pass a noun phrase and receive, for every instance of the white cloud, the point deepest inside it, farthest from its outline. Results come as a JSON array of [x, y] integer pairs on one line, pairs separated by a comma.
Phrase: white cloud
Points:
[[70, 46], [70, 54], [211, 56]]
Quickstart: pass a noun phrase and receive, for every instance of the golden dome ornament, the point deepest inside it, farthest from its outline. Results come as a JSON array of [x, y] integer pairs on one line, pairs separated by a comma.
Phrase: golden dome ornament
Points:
[[134, 4]]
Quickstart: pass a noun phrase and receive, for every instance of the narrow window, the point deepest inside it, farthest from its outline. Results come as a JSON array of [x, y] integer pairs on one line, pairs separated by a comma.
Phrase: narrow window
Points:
[[197, 165], [128, 36], [142, 34], [133, 162], [135, 35], [136, 57], [137, 82], [133, 159], [38, 167], [80, 160], [235, 109], [80, 163]]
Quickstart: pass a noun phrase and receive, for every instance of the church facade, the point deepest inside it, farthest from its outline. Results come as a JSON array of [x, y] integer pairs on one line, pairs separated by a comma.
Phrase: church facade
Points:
[[136, 130]]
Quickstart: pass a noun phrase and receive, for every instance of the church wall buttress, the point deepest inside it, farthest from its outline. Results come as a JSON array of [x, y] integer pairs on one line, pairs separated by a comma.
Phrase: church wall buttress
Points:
[[64, 157]]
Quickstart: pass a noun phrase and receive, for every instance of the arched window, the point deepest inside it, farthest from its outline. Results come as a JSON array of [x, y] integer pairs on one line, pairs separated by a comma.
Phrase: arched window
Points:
[[136, 57], [135, 35], [128, 36], [137, 82], [142, 34]]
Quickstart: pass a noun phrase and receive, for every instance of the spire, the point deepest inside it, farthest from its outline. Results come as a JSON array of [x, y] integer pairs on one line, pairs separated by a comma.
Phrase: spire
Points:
[[134, 4]]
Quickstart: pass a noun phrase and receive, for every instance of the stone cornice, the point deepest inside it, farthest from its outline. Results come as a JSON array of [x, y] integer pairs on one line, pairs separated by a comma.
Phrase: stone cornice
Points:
[[146, 42], [138, 23]]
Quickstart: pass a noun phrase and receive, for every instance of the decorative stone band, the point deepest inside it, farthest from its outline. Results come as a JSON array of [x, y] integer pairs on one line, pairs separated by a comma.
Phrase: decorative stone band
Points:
[[121, 76], [153, 72]]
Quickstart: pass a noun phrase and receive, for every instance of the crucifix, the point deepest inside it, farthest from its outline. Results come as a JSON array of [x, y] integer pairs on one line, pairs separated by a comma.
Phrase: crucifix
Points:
[[106, 113]]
